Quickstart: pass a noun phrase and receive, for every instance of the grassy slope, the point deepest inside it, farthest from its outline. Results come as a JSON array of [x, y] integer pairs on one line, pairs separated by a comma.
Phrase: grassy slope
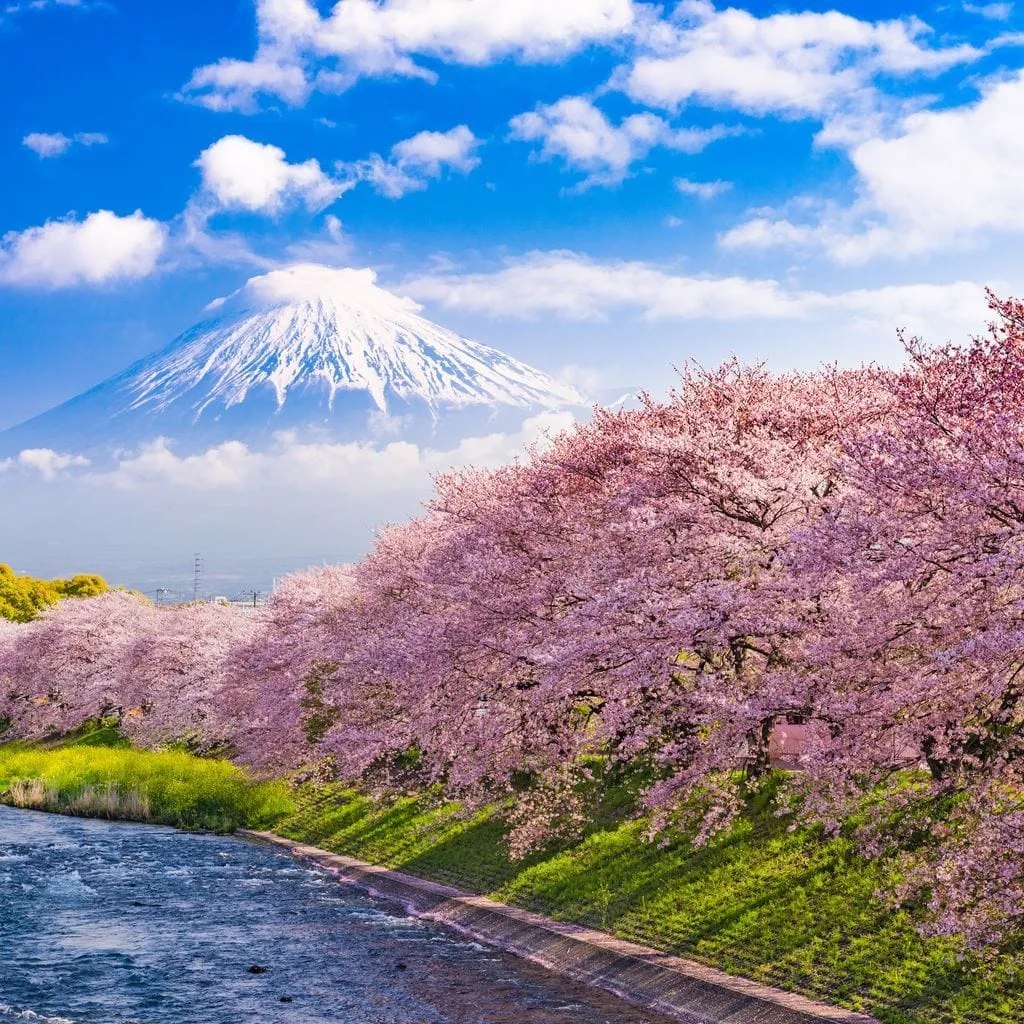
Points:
[[786, 908], [98, 775]]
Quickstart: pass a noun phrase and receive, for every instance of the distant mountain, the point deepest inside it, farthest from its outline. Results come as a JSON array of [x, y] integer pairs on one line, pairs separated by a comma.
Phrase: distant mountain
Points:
[[307, 348]]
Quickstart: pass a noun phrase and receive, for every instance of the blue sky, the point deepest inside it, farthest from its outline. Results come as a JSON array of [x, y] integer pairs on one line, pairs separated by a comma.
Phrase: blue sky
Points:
[[121, 71], [602, 187]]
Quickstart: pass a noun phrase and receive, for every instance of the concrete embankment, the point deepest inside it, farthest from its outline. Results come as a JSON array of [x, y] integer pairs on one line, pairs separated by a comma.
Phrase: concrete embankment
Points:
[[678, 988]]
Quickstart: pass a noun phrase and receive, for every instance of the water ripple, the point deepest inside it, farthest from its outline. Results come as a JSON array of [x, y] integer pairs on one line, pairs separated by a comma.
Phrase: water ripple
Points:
[[126, 924]]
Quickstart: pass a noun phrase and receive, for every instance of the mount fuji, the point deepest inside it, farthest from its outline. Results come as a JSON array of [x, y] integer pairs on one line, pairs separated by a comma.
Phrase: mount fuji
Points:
[[312, 349]]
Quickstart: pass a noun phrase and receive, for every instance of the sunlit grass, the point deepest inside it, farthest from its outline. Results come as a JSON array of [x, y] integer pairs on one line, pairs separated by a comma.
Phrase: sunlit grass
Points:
[[87, 778], [789, 908]]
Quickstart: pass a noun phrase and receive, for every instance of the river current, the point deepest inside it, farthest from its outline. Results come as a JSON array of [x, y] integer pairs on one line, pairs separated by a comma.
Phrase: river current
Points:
[[106, 923]]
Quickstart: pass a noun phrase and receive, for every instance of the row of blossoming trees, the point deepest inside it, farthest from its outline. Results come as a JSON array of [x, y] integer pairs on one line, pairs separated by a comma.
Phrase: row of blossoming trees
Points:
[[664, 588]]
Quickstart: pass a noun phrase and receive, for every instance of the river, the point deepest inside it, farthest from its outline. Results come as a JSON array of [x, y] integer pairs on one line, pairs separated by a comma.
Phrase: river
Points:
[[111, 923]]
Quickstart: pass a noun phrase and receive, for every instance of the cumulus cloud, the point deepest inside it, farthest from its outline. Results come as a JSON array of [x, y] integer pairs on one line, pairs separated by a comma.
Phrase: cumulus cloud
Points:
[[100, 249], [241, 174], [912, 181], [943, 178], [290, 463], [234, 84], [579, 133], [431, 152], [299, 49], [574, 287], [51, 144], [802, 64], [416, 161], [253, 513], [44, 461]]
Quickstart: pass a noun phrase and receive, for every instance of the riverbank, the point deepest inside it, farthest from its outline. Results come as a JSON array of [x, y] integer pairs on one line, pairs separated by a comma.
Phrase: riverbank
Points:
[[96, 775], [783, 908], [683, 990]]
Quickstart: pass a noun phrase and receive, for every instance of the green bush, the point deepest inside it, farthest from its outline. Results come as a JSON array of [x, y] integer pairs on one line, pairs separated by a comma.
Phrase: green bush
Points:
[[22, 598]]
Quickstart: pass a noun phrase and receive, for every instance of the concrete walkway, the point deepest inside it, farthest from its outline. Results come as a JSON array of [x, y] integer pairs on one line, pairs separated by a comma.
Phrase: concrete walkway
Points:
[[677, 988]]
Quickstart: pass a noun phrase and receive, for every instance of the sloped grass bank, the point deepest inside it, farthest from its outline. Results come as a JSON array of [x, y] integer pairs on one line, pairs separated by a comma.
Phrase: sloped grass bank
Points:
[[99, 776], [790, 909], [786, 908]]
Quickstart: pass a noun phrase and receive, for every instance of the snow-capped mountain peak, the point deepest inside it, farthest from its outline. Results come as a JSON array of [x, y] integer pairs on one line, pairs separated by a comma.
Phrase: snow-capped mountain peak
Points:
[[313, 325], [306, 345]]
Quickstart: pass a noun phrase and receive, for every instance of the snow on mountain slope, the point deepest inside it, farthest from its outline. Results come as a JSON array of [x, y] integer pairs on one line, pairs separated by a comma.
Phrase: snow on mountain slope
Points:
[[305, 346]]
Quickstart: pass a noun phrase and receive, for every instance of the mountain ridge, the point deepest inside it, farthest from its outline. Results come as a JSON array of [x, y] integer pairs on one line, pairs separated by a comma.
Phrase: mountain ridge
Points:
[[304, 347]]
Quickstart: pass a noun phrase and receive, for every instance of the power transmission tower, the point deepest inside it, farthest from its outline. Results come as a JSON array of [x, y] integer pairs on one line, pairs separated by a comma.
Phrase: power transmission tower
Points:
[[197, 576]]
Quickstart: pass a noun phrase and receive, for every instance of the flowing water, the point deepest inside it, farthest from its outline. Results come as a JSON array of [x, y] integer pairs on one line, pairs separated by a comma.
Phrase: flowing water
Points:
[[117, 923]]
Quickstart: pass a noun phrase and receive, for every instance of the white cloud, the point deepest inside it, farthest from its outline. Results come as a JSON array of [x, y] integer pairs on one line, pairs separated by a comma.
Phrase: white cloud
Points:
[[587, 380], [51, 144], [574, 287], [578, 132], [942, 179], [143, 517], [234, 84], [302, 281], [767, 233], [245, 175], [331, 246], [803, 64], [291, 463], [97, 250], [994, 12], [44, 461], [704, 190], [300, 49], [414, 162], [950, 172], [42, 5], [430, 152], [45, 144]]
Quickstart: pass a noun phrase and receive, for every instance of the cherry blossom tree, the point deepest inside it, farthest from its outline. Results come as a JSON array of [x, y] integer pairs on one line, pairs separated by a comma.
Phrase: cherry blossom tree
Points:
[[919, 657], [174, 681], [272, 698], [67, 666], [616, 593], [668, 588]]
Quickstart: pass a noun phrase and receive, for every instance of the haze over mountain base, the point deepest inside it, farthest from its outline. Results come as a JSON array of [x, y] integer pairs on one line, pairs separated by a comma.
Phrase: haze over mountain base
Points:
[[252, 514], [312, 407]]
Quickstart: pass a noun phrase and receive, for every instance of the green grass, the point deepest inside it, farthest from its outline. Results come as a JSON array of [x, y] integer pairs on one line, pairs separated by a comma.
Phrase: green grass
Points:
[[97, 774], [788, 908]]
